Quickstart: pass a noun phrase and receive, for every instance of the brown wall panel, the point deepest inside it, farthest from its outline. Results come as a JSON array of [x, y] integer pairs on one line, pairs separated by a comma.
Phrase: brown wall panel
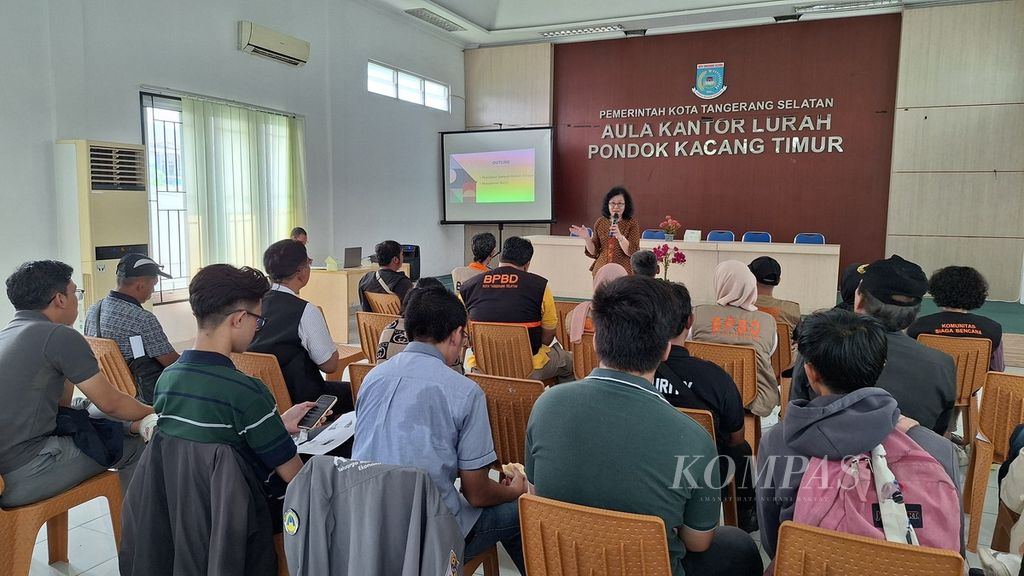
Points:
[[843, 195]]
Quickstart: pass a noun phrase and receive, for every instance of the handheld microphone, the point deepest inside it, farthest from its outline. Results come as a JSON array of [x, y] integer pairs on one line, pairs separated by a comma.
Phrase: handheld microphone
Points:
[[615, 220]]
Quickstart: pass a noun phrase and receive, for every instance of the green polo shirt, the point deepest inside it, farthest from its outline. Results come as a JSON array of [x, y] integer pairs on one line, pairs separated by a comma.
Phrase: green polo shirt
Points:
[[612, 441]]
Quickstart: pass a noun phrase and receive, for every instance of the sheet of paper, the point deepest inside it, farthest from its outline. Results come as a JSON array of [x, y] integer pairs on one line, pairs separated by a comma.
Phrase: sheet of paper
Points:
[[332, 436], [138, 350]]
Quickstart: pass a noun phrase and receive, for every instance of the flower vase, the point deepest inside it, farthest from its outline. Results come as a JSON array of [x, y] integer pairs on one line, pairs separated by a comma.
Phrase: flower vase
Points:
[[670, 237]]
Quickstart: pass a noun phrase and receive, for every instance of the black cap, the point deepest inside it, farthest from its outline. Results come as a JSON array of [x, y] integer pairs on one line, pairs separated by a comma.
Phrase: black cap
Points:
[[895, 281], [139, 266], [767, 270]]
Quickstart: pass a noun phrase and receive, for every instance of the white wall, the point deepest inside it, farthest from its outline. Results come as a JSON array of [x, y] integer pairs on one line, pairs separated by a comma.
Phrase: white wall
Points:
[[72, 69]]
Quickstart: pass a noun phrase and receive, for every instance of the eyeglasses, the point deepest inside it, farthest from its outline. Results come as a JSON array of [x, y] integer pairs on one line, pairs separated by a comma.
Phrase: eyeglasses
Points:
[[616, 203], [260, 320], [79, 294]]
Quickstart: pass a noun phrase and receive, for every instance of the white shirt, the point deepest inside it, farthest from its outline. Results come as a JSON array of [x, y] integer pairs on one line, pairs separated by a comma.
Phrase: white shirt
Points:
[[313, 332]]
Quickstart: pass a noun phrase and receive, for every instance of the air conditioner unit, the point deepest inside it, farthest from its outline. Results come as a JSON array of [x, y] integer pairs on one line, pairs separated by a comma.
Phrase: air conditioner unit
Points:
[[102, 210], [268, 43]]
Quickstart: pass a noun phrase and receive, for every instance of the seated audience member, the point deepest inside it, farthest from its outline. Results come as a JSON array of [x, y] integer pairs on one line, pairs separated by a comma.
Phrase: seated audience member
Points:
[[768, 274], [688, 382], [484, 245], [922, 380], [394, 338], [579, 320], [1009, 531], [844, 355], [958, 290], [121, 317], [203, 398], [299, 235], [736, 320], [848, 285], [512, 295], [612, 441], [42, 360], [413, 410], [644, 263], [389, 279], [295, 331]]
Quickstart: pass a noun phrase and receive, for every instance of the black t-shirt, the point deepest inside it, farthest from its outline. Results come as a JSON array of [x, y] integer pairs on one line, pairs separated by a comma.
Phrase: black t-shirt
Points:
[[694, 383], [398, 282], [958, 324]]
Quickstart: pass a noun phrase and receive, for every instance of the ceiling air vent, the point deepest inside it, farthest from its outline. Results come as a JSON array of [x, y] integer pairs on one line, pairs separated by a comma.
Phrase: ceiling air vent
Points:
[[113, 168], [435, 19]]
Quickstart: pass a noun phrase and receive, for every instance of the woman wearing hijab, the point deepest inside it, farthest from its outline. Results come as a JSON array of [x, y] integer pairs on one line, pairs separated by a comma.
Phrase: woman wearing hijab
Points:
[[579, 320], [735, 320], [616, 235]]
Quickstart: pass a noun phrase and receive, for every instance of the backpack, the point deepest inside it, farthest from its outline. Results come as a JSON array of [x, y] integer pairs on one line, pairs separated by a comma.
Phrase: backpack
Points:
[[844, 496]]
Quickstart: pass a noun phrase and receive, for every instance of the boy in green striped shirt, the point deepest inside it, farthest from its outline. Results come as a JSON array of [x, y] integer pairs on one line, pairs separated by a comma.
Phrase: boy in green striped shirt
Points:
[[203, 398]]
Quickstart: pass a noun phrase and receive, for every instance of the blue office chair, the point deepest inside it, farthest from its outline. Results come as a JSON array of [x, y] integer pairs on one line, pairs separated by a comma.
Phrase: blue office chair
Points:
[[721, 236], [757, 237], [653, 234], [809, 238], [589, 229]]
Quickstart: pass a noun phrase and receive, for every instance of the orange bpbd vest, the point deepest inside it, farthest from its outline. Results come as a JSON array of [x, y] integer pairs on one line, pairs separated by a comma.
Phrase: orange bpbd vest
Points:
[[507, 295]]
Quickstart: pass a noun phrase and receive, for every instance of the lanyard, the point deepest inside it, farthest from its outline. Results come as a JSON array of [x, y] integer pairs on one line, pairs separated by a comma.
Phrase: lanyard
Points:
[[630, 384]]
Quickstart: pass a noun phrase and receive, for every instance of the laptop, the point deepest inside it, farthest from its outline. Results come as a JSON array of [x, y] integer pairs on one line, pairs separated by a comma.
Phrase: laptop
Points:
[[353, 257]]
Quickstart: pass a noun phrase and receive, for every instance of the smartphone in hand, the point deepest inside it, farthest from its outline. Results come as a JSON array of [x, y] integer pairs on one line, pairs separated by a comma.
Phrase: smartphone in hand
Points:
[[324, 403]]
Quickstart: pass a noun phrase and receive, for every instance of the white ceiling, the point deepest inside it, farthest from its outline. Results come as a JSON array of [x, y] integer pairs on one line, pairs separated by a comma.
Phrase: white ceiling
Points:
[[496, 22]]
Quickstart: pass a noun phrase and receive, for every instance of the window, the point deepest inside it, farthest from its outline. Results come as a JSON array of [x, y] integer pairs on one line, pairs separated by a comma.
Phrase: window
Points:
[[167, 213], [394, 83]]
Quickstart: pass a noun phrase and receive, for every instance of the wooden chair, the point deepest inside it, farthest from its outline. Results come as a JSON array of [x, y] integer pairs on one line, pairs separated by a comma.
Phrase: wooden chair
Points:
[[972, 356], [112, 364], [741, 363], [266, 368], [782, 358], [564, 308], [489, 560], [509, 403], [561, 539], [811, 551], [584, 356], [384, 303], [370, 326], [784, 389], [502, 349], [356, 374], [707, 421], [19, 526], [1002, 409], [346, 355]]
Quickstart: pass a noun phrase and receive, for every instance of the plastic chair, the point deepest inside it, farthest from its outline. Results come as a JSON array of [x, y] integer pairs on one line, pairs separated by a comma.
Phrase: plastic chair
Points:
[[811, 551], [589, 229], [384, 303], [784, 389], [721, 236], [489, 561], [112, 364], [509, 403], [755, 236], [809, 238], [563, 308], [584, 356], [782, 358], [356, 374], [561, 539], [741, 364], [707, 421], [346, 355], [653, 234], [266, 368], [19, 526], [971, 356], [370, 325], [502, 349]]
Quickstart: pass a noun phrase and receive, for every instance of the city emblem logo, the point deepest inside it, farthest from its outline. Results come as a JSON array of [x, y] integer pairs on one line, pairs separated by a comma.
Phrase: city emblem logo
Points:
[[710, 82]]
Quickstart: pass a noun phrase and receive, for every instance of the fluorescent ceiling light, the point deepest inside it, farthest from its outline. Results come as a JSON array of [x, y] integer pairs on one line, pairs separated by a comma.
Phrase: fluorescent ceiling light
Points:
[[844, 6], [579, 31], [435, 19]]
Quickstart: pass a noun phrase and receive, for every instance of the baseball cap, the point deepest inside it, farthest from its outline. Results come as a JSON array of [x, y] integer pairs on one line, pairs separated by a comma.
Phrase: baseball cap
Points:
[[895, 281], [139, 265], [767, 270]]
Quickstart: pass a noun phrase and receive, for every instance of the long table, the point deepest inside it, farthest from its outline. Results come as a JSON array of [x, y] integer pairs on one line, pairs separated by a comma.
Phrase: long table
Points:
[[809, 271]]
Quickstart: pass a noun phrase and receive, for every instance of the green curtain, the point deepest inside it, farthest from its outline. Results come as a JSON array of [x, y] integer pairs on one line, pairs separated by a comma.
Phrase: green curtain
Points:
[[244, 181]]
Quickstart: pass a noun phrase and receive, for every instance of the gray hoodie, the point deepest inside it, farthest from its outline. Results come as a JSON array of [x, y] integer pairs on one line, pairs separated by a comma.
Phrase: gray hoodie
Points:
[[832, 426]]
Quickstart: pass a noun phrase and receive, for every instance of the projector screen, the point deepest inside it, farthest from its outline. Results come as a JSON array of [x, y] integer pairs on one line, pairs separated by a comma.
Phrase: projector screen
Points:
[[497, 176]]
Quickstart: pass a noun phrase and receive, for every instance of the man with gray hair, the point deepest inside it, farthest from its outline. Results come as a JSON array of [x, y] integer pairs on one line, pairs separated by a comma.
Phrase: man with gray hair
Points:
[[644, 263], [922, 380]]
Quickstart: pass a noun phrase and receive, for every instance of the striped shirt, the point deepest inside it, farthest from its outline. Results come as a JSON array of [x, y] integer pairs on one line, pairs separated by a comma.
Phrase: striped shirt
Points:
[[203, 398]]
